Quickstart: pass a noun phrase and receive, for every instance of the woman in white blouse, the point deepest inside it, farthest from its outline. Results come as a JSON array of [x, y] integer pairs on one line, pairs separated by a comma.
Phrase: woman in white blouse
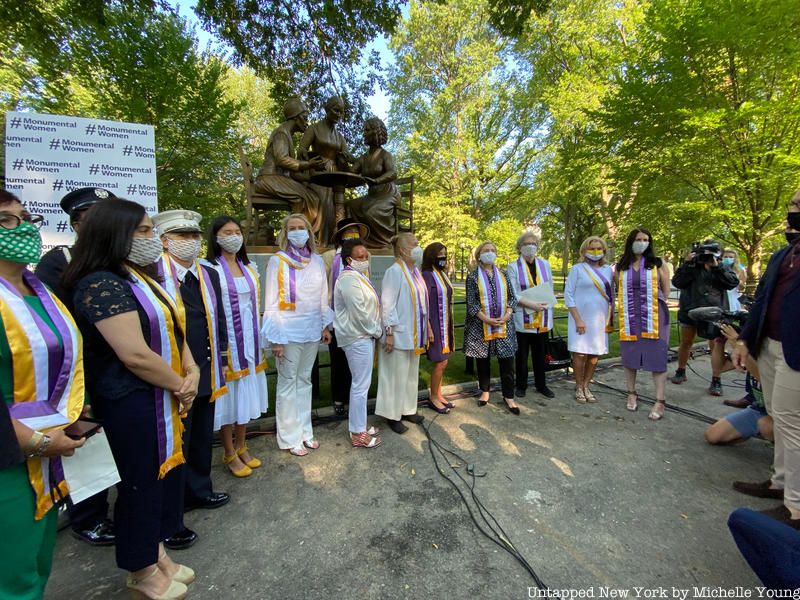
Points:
[[357, 324], [404, 302], [589, 297], [296, 317]]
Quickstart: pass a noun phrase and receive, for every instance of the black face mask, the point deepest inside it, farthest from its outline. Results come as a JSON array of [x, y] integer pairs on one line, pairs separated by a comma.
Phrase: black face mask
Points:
[[441, 262], [792, 236], [794, 220]]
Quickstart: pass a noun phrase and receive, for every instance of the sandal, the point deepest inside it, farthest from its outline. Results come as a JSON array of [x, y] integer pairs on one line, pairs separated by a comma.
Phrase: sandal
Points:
[[297, 451], [312, 444], [245, 471], [655, 415], [253, 463], [589, 396], [364, 440], [633, 406], [339, 409], [373, 431], [580, 396]]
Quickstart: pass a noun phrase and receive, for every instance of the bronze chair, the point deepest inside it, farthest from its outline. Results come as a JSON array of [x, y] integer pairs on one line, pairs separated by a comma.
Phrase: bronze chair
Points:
[[256, 203], [404, 211]]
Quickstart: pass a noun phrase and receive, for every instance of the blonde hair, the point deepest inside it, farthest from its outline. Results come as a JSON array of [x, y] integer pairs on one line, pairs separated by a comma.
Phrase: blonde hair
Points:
[[735, 255], [585, 247], [476, 254], [525, 235], [283, 238], [399, 240]]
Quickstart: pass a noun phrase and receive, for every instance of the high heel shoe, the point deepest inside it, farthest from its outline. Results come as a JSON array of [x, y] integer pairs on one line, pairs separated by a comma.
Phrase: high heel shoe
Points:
[[184, 574], [483, 402], [253, 463], [245, 471], [514, 410], [175, 591], [633, 406], [442, 411]]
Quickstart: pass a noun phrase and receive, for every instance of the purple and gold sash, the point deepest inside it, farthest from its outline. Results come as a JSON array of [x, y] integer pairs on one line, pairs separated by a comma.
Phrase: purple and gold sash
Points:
[[647, 301], [539, 321], [496, 309], [444, 290], [47, 377], [289, 264], [238, 366], [166, 318], [603, 286], [419, 306], [167, 271]]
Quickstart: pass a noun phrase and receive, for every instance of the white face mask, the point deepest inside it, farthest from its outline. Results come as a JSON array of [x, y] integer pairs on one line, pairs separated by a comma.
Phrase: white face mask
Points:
[[529, 250], [416, 254], [230, 243], [362, 266], [488, 258], [145, 251], [184, 249], [639, 246], [298, 237]]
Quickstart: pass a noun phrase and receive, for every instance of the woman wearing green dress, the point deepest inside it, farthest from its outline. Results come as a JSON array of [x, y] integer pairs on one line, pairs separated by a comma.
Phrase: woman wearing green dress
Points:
[[41, 383]]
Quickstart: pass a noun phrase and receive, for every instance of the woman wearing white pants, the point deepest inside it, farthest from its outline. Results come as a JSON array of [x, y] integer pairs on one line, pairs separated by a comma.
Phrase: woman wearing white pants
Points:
[[404, 302], [296, 317], [357, 324]]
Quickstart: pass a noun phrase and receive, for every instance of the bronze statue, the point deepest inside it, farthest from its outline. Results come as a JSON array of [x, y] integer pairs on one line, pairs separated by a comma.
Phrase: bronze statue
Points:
[[377, 166], [282, 175], [322, 139]]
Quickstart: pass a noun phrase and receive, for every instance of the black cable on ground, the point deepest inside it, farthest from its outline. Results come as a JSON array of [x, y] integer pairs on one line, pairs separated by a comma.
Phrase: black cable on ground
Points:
[[491, 528]]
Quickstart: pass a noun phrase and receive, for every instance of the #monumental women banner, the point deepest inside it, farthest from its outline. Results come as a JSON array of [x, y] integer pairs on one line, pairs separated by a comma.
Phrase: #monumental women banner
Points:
[[50, 155]]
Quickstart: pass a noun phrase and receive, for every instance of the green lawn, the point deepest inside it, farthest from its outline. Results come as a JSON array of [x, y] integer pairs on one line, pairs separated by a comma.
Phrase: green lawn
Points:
[[455, 372]]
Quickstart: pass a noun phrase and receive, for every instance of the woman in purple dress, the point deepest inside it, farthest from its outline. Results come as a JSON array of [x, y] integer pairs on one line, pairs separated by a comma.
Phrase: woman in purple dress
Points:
[[440, 323], [643, 284]]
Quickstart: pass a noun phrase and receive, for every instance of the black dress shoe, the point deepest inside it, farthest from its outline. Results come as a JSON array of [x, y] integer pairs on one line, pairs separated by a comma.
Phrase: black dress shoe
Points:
[[782, 514], [396, 426], [215, 500], [761, 489], [417, 419], [101, 534], [181, 540], [519, 393], [546, 392], [514, 410]]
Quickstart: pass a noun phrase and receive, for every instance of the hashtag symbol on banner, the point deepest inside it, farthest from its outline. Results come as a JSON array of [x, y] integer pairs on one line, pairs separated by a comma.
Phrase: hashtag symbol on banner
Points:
[[55, 144], [90, 129], [18, 164], [132, 188], [127, 150], [58, 184], [16, 122], [61, 227], [93, 170]]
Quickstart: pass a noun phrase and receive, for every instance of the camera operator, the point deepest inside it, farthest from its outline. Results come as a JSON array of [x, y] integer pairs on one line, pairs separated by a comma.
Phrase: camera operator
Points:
[[703, 281], [772, 337]]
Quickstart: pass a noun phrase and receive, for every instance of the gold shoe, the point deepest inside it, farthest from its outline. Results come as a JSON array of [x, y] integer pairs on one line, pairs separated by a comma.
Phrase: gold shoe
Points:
[[184, 574], [245, 471], [175, 591], [253, 463]]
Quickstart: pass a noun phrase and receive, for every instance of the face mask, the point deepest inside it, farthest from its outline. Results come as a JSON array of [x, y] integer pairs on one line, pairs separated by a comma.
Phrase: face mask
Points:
[[145, 251], [639, 247], [794, 220], [595, 255], [529, 250], [441, 262], [22, 244], [298, 237], [362, 266], [416, 254], [230, 243], [792, 236], [728, 261], [184, 249], [488, 258]]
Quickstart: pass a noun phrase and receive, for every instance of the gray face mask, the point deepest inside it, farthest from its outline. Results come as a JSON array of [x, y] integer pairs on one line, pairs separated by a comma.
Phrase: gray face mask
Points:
[[639, 246], [145, 251]]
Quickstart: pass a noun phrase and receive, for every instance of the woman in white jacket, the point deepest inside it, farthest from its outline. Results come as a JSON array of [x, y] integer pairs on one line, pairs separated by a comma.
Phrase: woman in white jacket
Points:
[[357, 324], [296, 317], [404, 303]]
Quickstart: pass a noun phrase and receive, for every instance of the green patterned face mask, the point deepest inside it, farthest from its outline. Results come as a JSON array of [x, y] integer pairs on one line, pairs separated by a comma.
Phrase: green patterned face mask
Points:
[[22, 244]]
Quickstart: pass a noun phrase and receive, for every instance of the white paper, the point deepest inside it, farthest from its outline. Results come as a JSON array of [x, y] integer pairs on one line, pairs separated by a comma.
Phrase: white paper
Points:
[[542, 293], [91, 469]]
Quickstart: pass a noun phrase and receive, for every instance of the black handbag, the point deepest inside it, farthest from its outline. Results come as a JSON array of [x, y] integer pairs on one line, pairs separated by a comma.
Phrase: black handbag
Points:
[[556, 355]]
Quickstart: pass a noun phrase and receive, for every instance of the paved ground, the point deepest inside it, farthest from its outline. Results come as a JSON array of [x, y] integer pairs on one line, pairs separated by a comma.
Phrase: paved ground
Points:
[[591, 495]]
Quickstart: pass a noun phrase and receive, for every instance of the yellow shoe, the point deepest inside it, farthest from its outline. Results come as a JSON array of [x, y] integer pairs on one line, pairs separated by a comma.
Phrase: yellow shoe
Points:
[[245, 471], [253, 463], [175, 591]]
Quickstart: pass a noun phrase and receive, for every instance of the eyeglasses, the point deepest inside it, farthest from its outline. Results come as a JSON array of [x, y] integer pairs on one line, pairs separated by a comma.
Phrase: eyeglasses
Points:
[[9, 221]]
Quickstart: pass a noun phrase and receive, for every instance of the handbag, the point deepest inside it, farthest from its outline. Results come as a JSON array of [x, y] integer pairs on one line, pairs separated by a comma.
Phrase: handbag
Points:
[[557, 354]]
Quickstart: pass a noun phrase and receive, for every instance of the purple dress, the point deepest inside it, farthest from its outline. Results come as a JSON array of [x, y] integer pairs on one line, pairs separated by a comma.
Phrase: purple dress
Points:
[[435, 353], [644, 354]]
